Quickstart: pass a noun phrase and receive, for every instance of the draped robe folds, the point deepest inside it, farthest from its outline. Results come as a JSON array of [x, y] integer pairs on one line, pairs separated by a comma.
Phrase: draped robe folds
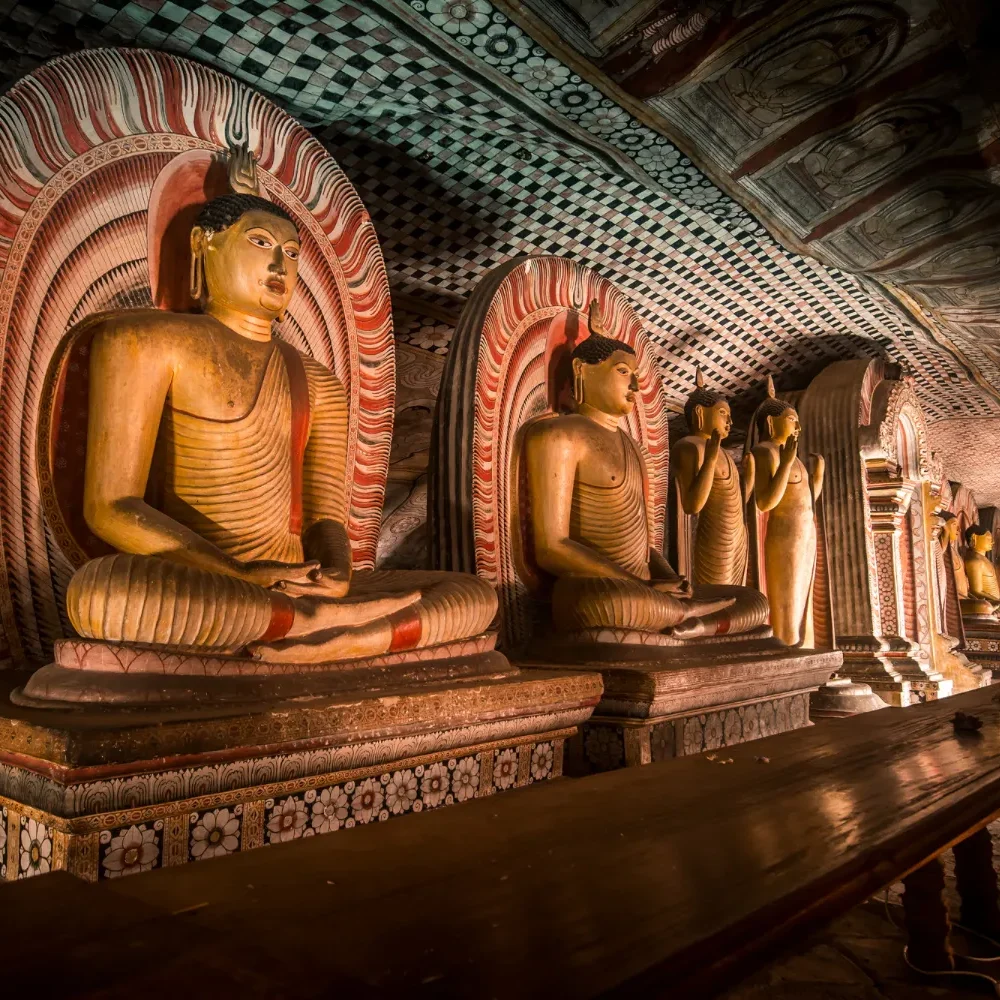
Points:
[[250, 488], [720, 546], [613, 521]]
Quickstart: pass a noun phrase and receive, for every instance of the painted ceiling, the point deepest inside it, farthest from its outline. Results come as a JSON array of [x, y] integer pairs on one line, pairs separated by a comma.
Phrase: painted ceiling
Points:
[[473, 138]]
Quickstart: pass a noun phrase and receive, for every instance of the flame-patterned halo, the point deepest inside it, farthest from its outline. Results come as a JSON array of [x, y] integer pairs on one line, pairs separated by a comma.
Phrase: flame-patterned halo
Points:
[[82, 142]]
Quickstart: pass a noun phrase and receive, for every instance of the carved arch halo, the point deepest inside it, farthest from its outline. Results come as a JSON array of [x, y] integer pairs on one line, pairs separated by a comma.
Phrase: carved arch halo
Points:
[[503, 371], [896, 432], [83, 141]]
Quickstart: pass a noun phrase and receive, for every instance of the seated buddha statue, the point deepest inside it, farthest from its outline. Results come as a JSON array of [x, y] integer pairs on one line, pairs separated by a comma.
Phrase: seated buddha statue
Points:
[[216, 468], [981, 594], [710, 485], [586, 482]]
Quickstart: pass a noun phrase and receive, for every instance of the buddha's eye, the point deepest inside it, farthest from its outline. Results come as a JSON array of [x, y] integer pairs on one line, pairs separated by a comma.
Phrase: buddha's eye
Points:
[[260, 241], [292, 253]]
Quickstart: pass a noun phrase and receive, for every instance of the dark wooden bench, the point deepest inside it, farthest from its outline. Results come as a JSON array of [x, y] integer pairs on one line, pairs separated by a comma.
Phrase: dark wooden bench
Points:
[[664, 880]]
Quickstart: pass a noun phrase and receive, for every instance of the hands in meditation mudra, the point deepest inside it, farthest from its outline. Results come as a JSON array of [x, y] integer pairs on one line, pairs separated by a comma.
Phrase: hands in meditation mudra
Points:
[[586, 479], [246, 442]]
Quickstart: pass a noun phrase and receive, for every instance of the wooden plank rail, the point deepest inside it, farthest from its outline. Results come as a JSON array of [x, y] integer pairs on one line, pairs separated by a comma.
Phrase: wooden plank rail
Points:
[[664, 880]]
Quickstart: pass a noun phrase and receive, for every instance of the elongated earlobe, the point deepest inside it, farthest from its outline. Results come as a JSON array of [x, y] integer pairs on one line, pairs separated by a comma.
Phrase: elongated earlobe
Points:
[[578, 382], [197, 277]]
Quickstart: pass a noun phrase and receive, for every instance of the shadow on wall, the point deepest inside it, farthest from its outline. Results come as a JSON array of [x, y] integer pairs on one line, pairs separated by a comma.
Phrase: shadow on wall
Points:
[[429, 233]]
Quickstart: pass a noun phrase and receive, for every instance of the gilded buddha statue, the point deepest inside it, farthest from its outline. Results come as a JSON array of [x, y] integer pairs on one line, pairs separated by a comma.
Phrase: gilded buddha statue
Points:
[[785, 497], [586, 482], [710, 485], [244, 439], [980, 594]]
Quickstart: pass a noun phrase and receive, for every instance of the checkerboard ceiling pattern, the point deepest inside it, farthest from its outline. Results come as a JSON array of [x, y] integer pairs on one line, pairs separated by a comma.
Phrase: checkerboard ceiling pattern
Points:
[[470, 144]]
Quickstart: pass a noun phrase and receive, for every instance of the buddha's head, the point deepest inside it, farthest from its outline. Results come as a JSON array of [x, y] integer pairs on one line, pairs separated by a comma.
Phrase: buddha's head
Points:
[[605, 375], [949, 527], [245, 253], [777, 421], [979, 538], [707, 412]]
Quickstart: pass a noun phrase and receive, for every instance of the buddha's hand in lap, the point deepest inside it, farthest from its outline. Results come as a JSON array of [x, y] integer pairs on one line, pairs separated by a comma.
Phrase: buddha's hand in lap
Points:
[[267, 573], [679, 587], [325, 582]]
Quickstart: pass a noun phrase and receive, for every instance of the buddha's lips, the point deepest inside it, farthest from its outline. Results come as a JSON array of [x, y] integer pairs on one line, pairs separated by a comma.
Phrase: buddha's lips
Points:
[[275, 285]]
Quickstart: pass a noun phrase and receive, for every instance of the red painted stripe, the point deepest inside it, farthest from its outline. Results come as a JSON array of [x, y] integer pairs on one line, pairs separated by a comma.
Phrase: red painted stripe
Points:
[[298, 387], [282, 616], [406, 629], [725, 624]]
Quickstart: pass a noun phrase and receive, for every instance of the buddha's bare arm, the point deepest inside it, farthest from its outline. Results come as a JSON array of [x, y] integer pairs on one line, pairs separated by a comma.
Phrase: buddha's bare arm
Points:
[[817, 471], [696, 472], [324, 480], [553, 456], [130, 374], [772, 467]]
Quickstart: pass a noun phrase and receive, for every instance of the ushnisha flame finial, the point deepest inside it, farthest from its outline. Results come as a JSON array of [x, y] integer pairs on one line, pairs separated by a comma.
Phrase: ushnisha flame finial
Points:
[[699, 377], [595, 319], [243, 170], [770, 388]]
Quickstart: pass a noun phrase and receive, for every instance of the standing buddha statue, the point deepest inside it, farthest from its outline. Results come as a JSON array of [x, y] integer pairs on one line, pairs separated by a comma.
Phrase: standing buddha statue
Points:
[[586, 481], [246, 439], [785, 497], [710, 486]]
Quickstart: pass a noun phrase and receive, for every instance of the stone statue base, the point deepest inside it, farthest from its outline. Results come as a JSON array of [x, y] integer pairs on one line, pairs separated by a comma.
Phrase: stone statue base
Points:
[[665, 698], [982, 643], [842, 697], [107, 791], [895, 668]]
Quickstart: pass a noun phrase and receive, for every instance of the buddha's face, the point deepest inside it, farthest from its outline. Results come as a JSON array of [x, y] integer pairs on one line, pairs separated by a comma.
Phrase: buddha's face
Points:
[[784, 425], [714, 418], [983, 543], [250, 267], [611, 386], [950, 530]]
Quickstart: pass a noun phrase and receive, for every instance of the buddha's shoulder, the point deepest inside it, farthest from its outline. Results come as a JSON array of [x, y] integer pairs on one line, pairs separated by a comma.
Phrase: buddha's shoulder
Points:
[[564, 427], [690, 443], [152, 328]]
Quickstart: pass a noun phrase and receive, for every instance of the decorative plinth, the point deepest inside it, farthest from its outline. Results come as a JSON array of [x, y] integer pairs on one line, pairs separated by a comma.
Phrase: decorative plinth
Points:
[[670, 701], [105, 793], [982, 647]]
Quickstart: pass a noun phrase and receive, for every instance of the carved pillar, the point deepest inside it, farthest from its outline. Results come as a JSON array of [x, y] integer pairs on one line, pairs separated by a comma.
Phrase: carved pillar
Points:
[[888, 504], [864, 417]]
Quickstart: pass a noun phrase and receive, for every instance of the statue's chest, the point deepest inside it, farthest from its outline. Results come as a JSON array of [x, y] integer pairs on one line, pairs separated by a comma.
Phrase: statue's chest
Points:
[[198, 443], [605, 464], [225, 383]]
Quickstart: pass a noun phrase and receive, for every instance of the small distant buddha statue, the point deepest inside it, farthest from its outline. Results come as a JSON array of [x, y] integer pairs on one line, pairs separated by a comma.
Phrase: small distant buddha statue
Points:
[[982, 596], [247, 549], [586, 480], [787, 493], [710, 485], [949, 562], [951, 584]]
